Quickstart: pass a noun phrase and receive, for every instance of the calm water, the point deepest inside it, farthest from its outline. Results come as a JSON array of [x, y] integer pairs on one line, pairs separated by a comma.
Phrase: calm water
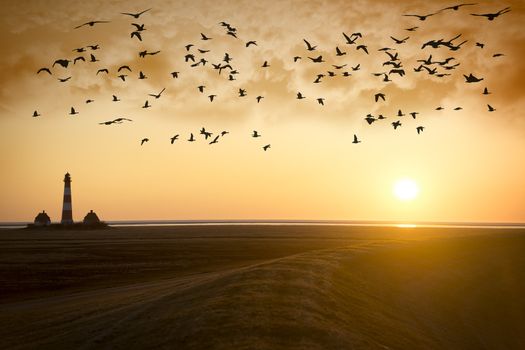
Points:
[[12, 225]]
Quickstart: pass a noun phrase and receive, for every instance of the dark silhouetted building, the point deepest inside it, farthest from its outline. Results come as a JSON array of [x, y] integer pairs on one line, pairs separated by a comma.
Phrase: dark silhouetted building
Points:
[[91, 218], [42, 219]]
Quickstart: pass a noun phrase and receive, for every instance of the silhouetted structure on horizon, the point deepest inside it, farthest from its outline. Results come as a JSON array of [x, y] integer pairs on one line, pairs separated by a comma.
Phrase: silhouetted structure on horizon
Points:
[[91, 218], [67, 209], [42, 219]]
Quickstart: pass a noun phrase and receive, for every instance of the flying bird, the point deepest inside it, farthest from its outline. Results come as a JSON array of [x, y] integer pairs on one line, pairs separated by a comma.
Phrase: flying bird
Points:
[[91, 23], [103, 70], [486, 91], [378, 96], [251, 42], [259, 98], [309, 46], [491, 109], [471, 78], [63, 62], [204, 37], [174, 138], [201, 88], [191, 139], [265, 148], [362, 47], [122, 76], [146, 104], [135, 15], [144, 140], [44, 69], [400, 41], [492, 16], [421, 17], [139, 27], [265, 64], [89, 101], [157, 96], [79, 58], [355, 139], [136, 34], [63, 80], [211, 97], [338, 52], [35, 114], [93, 58], [115, 99], [300, 96], [174, 74], [73, 112], [320, 100], [256, 134], [318, 59], [396, 124], [215, 140], [456, 7], [419, 129], [142, 76]]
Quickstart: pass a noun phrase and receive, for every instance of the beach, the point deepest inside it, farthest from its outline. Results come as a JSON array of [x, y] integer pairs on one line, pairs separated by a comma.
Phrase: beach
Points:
[[263, 287]]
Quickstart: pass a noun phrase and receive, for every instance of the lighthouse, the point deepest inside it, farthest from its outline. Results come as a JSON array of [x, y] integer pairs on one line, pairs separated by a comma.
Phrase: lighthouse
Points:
[[67, 209]]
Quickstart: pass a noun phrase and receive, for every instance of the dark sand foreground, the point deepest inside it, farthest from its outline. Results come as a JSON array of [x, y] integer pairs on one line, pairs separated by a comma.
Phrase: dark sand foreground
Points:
[[263, 287]]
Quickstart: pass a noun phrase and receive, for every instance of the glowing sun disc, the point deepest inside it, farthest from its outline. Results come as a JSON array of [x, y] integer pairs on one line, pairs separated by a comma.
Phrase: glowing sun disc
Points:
[[406, 189]]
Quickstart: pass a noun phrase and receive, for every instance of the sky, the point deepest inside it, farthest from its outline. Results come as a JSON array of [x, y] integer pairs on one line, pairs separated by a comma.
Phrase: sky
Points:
[[468, 163]]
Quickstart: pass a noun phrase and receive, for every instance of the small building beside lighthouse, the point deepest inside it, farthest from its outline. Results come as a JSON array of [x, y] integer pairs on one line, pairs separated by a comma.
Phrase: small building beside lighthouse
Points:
[[42, 219]]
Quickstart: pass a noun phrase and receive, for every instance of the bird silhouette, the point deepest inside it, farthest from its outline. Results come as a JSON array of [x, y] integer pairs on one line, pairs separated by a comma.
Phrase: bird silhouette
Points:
[[349, 39], [370, 119], [300, 96], [355, 139], [265, 64], [44, 69], [309, 46], [90, 23], [89, 101], [79, 58], [137, 35], [242, 92], [297, 58], [201, 88], [142, 76], [378, 96], [157, 96], [115, 99], [492, 16], [396, 124], [456, 7], [421, 17], [256, 134], [498, 55], [251, 42], [103, 70], [123, 67], [143, 141], [458, 108], [320, 100], [73, 112], [411, 29], [174, 138], [174, 74], [419, 129], [318, 59], [191, 139], [400, 41], [93, 58], [215, 140], [362, 47], [35, 114], [146, 104], [94, 47], [211, 97], [122, 76], [471, 78], [259, 98], [491, 109], [480, 45], [135, 15], [486, 91], [223, 133], [338, 52], [356, 68], [139, 27], [63, 62], [414, 114], [63, 80], [400, 113], [265, 148], [204, 37]]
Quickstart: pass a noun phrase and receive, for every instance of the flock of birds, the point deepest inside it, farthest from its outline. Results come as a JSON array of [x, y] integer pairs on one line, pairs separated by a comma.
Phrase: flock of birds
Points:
[[196, 57]]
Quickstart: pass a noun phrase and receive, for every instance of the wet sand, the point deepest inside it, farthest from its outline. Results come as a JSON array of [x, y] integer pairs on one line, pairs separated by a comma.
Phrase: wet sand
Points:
[[263, 287]]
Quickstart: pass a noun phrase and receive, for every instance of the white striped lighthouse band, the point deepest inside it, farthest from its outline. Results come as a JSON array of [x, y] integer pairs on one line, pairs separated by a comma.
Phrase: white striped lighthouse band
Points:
[[67, 208]]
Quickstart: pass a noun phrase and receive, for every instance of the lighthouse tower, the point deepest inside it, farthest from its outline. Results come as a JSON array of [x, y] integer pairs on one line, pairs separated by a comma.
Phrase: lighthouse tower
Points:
[[67, 210]]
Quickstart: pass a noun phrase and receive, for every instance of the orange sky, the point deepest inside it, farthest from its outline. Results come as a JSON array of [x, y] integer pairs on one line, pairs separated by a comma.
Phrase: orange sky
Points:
[[468, 163]]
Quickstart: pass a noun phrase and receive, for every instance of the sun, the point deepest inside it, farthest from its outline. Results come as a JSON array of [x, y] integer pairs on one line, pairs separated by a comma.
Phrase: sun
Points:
[[406, 189]]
